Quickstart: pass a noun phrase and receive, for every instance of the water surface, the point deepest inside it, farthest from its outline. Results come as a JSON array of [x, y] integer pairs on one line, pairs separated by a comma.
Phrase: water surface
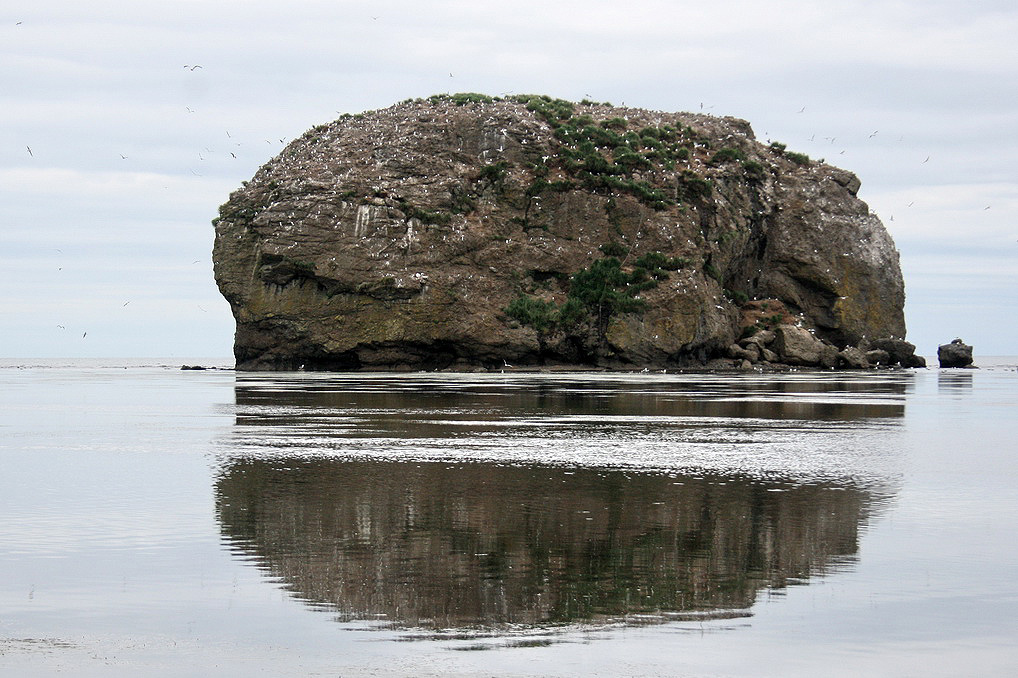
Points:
[[160, 522]]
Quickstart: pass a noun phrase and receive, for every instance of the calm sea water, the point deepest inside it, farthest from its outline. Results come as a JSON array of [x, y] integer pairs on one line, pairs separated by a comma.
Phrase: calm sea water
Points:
[[161, 522]]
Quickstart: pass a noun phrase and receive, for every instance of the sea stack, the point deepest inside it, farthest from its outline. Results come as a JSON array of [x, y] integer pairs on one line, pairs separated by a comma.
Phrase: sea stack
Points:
[[466, 231], [955, 354]]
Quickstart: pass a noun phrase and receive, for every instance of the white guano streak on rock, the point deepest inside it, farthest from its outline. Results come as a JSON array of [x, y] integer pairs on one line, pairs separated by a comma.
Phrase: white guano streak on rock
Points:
[[365, 215]]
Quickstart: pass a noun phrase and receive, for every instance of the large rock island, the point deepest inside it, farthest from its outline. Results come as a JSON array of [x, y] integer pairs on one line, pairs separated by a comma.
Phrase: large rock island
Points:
[[464, 230]]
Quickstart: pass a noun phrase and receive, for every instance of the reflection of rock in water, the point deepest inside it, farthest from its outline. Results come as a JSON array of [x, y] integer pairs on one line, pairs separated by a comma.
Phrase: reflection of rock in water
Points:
[[480, 544], [491, 398], [956, 381]]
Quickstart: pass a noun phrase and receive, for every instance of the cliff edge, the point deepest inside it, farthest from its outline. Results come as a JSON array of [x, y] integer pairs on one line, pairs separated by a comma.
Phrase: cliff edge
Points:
[[464, 230]]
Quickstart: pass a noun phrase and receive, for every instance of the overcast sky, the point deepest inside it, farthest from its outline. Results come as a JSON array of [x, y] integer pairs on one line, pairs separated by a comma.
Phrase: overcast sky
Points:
[[124, 125]]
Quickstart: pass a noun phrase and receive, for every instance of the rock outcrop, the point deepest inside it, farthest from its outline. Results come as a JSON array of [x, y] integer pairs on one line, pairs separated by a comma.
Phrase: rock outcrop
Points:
[[899, 352], [955, 354], [468, 231]]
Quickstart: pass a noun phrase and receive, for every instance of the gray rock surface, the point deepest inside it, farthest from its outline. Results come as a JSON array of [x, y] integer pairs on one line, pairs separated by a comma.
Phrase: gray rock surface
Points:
[[900, 352], [762, 338], [796, 346], [853, 358], [398, 238], [878, 356]]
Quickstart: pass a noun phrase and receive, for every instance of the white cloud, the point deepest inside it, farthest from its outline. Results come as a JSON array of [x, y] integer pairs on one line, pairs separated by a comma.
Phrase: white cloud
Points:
[[960, 216], [102, 185]]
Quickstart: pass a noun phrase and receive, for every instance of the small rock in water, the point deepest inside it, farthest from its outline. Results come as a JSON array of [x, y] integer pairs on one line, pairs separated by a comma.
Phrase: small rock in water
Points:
[[192, 367], [955, 354]]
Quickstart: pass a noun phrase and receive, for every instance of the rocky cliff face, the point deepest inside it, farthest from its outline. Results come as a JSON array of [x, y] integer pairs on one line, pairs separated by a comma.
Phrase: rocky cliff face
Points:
[[468, 231]]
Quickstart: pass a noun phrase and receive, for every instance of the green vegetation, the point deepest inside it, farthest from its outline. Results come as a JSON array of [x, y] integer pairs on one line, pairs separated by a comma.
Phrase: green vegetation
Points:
[[613, 249], [658, 265], [462, 98], [607, 157], [797, 158], [693, 188], [494, 173], [603, 156], [533, 312], [428, 217], [735, 296], [553, 111], [603, 183], [596, 294], [462, 200], [727, 155], [753, 169], [604, 290], [423, 215]]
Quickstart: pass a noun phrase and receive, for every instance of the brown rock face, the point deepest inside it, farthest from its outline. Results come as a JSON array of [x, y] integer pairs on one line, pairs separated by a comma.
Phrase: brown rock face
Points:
[[401, 238]]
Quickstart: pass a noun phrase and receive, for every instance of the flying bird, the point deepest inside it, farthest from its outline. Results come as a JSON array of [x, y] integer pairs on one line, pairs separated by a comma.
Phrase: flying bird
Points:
[[192, 67], [874, 134], [925, 161], [30, 151]]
